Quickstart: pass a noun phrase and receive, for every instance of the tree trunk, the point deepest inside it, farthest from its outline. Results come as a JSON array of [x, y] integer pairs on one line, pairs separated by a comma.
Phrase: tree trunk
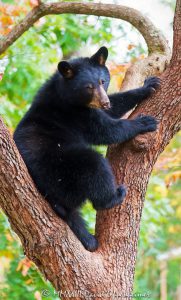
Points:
[[107, 273]]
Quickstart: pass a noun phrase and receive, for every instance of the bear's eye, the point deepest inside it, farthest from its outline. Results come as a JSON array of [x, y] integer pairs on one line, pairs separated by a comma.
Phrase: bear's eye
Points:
[[101, 81]]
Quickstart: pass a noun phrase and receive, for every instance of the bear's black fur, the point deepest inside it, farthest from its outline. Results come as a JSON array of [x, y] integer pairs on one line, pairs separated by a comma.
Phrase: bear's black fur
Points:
[[71, 112]]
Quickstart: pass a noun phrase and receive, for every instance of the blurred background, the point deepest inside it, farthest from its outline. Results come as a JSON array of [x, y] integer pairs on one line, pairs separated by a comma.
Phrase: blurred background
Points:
[[23, 68]]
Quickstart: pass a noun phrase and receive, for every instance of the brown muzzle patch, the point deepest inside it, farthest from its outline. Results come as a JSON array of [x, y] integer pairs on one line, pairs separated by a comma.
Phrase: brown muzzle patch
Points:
[[100, 99]]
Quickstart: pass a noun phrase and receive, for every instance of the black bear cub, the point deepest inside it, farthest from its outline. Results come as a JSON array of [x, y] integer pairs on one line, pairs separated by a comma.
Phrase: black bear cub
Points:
[[70, 113]]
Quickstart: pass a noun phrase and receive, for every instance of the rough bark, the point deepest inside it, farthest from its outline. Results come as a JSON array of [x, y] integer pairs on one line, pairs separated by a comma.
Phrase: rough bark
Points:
[[50, 243]]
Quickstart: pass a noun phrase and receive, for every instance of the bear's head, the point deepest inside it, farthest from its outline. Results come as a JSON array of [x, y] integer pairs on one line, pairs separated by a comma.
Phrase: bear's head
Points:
[[85, 80]]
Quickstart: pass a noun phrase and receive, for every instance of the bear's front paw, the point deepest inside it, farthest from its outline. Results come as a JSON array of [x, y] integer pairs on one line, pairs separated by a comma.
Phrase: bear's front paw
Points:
[[152, 84], [146, 123]]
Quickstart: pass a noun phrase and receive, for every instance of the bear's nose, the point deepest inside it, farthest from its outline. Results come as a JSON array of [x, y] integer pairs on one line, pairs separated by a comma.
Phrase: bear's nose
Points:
[[90, 86], [106, 105]]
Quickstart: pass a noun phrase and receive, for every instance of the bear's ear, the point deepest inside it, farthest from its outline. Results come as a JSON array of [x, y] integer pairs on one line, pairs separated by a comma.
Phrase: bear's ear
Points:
[[65, 69], [100, 56]]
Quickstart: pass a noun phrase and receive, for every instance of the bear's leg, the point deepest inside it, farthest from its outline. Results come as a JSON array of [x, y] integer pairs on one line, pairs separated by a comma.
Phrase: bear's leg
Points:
[[90, 177], [102, 190], [77, 225], [84, 174]]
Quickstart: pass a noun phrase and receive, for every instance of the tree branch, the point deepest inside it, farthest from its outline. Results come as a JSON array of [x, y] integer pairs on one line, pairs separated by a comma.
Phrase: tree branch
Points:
[[177, 33], [155, 40]]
